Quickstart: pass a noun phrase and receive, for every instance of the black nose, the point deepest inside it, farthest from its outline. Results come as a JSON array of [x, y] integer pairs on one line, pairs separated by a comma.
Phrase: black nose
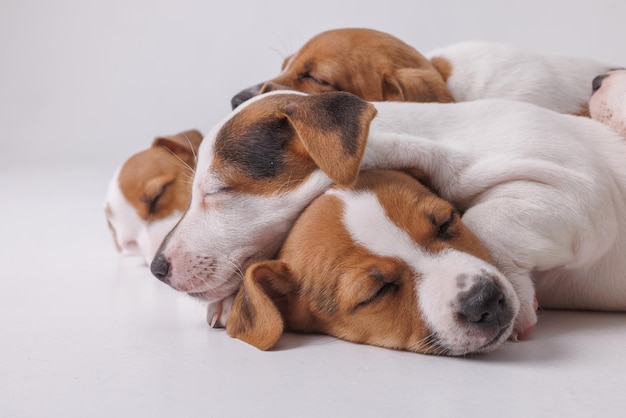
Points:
[[241, 97], [160, 268], [483, 304], [597, 82]]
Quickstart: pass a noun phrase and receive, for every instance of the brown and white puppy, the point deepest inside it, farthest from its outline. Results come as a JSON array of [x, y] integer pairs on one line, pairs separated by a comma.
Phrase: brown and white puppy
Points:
[[373, 65], [544, 192], [149, 193], [608, 101], [385, 262], [379, 67]]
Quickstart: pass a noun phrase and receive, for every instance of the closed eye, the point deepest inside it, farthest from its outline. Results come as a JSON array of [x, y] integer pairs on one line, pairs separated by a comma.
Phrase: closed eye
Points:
[[309, 77], [384, 290], [153, 201], [445, 230]]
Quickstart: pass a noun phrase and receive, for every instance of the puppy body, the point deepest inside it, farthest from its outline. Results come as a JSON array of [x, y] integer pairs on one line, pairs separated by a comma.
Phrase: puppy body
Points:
[[149, 193], [379, 67], [544, 192], [385, 262], [481, 70], [608, 102]]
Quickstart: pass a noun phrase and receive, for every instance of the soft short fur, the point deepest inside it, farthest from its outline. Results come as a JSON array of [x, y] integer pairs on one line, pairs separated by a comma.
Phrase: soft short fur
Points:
[[544, 192], [385, 262], [149, 193], [377, 66], [608, 102], [374, 65]]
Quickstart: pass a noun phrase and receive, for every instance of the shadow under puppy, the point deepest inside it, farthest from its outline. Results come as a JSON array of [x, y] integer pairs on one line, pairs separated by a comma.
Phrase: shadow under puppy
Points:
[[149, 193], [385, 262]]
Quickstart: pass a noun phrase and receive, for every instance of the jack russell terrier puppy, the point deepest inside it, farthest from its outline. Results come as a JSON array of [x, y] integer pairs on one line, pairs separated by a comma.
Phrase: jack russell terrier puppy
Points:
[[386, 263], [148, 195], [608, 101], [377, 66], [544, 192]]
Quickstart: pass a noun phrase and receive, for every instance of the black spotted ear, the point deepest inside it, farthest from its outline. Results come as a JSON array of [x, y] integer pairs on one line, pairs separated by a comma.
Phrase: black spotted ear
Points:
[[185, 144], [416, 85], [256, 313], [333, 127]]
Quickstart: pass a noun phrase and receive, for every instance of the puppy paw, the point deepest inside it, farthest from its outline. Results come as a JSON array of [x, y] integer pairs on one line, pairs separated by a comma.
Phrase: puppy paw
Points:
[[526, 321], [217, 312]]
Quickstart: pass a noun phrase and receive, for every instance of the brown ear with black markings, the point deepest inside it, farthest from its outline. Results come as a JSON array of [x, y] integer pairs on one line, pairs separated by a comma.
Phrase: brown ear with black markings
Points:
[[256, 313], [416, 85], [185, 144], [333, 127]]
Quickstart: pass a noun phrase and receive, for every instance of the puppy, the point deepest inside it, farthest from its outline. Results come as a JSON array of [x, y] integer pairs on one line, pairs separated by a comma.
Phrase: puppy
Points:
[[379, 67], [149, 193], [544, 192], [385, 262], [608, 101], [373, 65]]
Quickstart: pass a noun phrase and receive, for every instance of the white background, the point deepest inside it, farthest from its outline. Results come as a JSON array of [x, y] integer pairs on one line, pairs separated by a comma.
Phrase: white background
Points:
[[86, 82], [87, 333]]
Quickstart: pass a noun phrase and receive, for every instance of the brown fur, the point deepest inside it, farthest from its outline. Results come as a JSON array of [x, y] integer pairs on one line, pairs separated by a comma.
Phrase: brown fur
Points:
[[157, 181], [323, 280], [276, 144], [373, 65]]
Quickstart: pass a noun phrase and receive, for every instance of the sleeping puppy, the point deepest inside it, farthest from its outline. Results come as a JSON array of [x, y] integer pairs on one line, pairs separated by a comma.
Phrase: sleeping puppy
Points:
[[373, 65], [544, 192], [149, 193], [608, 101], [385, 262], [379, 67]]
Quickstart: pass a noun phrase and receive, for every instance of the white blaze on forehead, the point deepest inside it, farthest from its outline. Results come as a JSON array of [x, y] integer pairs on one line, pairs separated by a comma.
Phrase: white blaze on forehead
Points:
[[439, 276]]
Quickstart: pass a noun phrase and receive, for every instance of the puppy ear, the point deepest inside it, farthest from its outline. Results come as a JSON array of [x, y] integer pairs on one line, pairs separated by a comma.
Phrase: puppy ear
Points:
[[416, 85], [333, 128], [256, 313], [185, 144]]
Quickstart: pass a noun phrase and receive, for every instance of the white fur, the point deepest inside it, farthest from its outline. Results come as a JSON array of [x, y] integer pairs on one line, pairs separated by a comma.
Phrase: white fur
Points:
[[435, 274], [133, 234], [544, 192], [482, 70]]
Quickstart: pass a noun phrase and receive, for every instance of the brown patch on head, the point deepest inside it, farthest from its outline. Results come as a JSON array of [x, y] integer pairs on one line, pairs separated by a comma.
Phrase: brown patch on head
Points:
[[157, 181], [432, 222], [274, 144], [333, 285], [373, 65]]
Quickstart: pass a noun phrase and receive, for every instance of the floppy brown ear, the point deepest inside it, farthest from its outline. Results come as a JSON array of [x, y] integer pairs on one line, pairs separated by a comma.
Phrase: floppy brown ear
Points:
[[256, 313], [184, 144], [333, 127], [416, 85]]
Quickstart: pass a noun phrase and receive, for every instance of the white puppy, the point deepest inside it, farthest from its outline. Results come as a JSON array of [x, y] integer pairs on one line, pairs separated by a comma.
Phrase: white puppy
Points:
[[545, 192]]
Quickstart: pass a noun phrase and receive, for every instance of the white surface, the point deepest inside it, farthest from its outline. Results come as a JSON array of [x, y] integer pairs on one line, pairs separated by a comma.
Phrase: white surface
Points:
[[86, 333]]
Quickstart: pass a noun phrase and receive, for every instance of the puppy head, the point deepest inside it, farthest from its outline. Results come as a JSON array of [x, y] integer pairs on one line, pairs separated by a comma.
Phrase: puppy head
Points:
[[608, 100], [372, 65], [256, 171], [387, 263], [149, 193]]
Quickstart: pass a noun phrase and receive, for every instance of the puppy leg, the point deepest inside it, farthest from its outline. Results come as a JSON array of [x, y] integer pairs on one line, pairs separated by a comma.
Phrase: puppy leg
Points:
[[217, 312]]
